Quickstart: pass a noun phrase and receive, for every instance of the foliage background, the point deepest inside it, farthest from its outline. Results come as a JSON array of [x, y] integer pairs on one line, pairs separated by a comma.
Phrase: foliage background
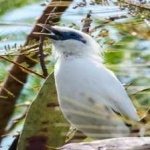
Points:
[[125, 44]]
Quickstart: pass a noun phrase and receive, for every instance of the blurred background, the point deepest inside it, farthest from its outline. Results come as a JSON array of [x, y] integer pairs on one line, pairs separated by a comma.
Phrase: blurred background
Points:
[[122, 30]]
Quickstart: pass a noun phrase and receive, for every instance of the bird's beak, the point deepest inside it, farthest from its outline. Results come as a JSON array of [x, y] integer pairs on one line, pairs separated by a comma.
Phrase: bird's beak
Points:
[[52, 32]]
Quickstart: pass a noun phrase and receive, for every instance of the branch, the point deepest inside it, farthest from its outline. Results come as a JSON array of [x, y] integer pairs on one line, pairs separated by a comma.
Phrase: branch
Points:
[[125, 143], [87, 23], [41, 53], [24, 68]]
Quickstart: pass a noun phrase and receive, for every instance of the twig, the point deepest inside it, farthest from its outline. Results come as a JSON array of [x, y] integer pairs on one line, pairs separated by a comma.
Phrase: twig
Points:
[[41, 57], [77, 137], [41, 54], [15, 63], [25, 49], [138, 4], [86, 23], [146, 118]]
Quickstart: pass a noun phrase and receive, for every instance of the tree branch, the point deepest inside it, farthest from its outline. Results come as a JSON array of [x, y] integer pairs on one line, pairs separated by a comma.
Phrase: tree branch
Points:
[[124, 143]]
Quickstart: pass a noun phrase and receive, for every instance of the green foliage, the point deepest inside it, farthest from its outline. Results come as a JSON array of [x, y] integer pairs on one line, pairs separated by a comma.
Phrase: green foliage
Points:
[[114, 57], [121, 56], [44, 124]]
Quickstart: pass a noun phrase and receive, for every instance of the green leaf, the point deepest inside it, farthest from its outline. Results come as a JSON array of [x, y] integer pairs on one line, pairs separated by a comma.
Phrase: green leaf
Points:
[[45, 125]]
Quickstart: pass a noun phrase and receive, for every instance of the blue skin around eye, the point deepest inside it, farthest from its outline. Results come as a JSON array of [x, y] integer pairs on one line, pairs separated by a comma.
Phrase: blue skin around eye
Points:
[[74, 36], [68, 35]]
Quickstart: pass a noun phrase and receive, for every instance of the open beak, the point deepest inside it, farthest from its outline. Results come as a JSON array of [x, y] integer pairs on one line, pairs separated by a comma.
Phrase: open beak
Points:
[[52, 32]]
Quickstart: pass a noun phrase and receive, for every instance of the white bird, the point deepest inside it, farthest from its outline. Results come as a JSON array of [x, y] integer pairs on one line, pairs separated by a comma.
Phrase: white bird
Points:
[[89, 94]]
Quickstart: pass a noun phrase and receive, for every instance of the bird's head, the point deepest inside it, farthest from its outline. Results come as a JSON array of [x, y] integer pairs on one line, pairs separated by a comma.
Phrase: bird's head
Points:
[[69, 41]]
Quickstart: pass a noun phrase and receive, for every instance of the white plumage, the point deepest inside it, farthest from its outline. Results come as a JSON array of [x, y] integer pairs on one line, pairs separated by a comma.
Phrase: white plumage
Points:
[[89, 94]]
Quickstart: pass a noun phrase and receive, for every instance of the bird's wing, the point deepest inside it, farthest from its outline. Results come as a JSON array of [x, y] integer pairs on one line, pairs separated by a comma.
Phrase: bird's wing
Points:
[[90, 77], [111, 92]]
